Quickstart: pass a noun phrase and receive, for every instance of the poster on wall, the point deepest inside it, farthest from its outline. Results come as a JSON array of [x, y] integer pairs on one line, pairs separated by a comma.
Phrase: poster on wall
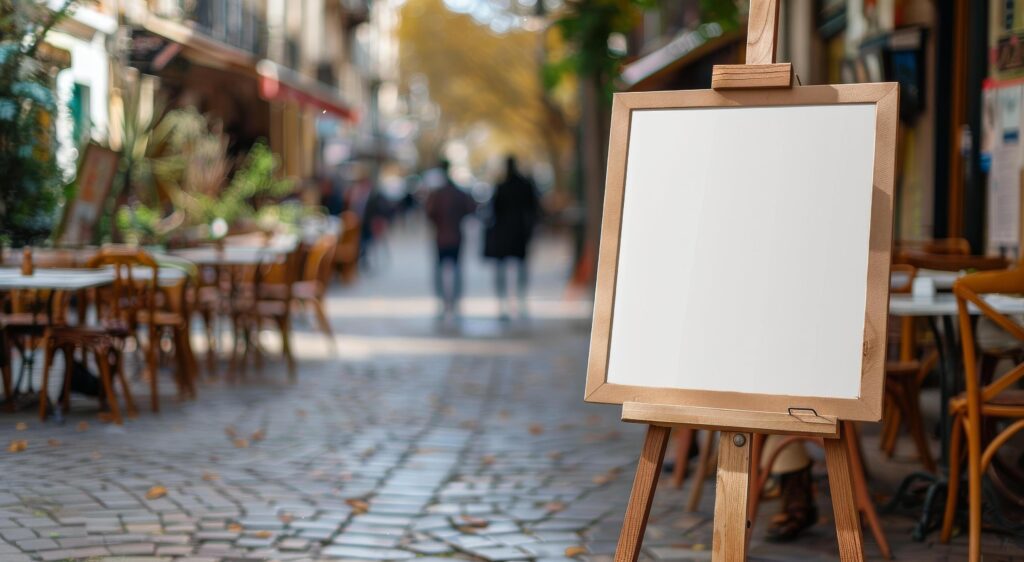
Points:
[[1001, 149], [1006, 39], [96, 175]]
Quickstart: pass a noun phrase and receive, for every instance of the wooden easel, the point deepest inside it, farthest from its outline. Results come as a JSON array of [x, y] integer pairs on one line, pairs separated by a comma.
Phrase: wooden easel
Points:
[[734, 457]]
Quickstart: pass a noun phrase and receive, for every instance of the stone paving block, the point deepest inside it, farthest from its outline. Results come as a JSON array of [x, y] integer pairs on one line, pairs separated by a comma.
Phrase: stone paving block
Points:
[[358, 552]]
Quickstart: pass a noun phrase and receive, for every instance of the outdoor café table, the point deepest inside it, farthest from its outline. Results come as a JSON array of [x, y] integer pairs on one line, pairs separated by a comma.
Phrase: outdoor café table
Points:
[[941, 308], [51, 281], [234, 258]]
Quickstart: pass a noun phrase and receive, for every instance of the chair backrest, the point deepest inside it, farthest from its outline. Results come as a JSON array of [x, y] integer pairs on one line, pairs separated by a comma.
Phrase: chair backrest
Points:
[[901, 278], [970, 290], [136, 278], [320, 259], [949, 246], [348, 238]]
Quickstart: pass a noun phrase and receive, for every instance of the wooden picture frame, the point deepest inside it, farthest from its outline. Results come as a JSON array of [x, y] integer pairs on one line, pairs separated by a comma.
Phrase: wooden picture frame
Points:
[[867, 405], [97, 171]]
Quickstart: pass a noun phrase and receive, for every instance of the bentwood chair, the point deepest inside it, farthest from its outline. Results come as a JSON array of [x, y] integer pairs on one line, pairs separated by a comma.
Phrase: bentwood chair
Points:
[[118, 309], [346, 256], [311, 288], [903, 380], [265, 295], [987, 414]]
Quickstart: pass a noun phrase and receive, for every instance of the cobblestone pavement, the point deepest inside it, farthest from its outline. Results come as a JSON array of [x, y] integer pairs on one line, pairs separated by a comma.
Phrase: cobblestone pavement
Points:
[[414, 441]]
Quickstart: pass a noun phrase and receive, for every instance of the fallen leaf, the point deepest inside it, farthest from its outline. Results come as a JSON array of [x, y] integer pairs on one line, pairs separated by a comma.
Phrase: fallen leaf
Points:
[[474, 522], [105, 417], [301, 413], [53, 442], [536, 429], [552, 507], [555, 455], [286, 517], [698, 546], [156, 492], [358, 506], [601, 479], [211, 476], [241, 443], [17, 446], [96, 455], [487, 460], [82, 426], [20, 426], [575, 550], [257, 435], [235, 528], [230, 431], [468, 424], [263, 534]]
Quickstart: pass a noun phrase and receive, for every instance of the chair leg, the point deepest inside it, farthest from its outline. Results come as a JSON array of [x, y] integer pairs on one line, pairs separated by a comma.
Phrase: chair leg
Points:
[[129, 401], [284, 324], [953, 489], [211, 340], [974, 489], [108, 384], [915, 425], [69, 364], [183, 353], [44, 398], [703, 467], [325, 325], [860, 490], [891, 433], [683, 442], [154, 380], [5, 368]]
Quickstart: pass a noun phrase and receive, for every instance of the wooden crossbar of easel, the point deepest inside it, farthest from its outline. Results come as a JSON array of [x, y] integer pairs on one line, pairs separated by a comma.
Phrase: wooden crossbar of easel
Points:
[[732, 487]]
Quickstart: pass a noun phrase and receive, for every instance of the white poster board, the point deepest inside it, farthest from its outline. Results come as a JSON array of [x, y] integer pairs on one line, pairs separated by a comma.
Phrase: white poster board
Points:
[[742, 265]]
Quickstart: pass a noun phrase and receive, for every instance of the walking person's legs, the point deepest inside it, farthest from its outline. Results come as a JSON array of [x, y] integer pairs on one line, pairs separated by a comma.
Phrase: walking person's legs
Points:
[[439, 283], [456, 281], [522, 281], [501, 288]]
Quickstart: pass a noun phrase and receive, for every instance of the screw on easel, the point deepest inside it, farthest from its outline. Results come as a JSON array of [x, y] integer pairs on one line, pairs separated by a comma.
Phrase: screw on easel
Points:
[[739, 440]]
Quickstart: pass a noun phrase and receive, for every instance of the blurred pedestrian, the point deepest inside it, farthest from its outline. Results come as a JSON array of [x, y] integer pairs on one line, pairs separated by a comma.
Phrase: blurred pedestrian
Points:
[[447, 206], [515, 209]]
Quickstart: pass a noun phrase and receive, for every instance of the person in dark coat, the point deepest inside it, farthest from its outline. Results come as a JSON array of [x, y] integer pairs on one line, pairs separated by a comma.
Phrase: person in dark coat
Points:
[[515, 209], [447, 206]]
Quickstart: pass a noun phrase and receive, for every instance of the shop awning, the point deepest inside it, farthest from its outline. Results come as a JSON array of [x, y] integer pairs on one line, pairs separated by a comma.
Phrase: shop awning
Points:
[[278, 83], [686, 48], [200, 48]]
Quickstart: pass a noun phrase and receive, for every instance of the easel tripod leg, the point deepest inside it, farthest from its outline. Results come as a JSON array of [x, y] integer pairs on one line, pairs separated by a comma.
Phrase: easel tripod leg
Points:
[[635, 523], [732, 490], [840, 481]]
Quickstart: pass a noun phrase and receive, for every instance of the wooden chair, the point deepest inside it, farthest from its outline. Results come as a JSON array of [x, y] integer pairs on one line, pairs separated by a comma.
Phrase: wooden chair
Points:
[[266, 295], [759, 477], [171, 317], [21, 328], [310, 289], [981, 405], [903, 380], [346, 256], [118, 310]]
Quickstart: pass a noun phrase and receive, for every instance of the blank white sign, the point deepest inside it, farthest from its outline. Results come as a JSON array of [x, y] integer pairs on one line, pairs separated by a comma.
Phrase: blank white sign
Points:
[[744, 250]]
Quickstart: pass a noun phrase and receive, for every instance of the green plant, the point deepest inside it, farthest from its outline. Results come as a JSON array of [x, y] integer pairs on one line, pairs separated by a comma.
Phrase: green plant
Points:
[[31, 183], [255, 182]]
